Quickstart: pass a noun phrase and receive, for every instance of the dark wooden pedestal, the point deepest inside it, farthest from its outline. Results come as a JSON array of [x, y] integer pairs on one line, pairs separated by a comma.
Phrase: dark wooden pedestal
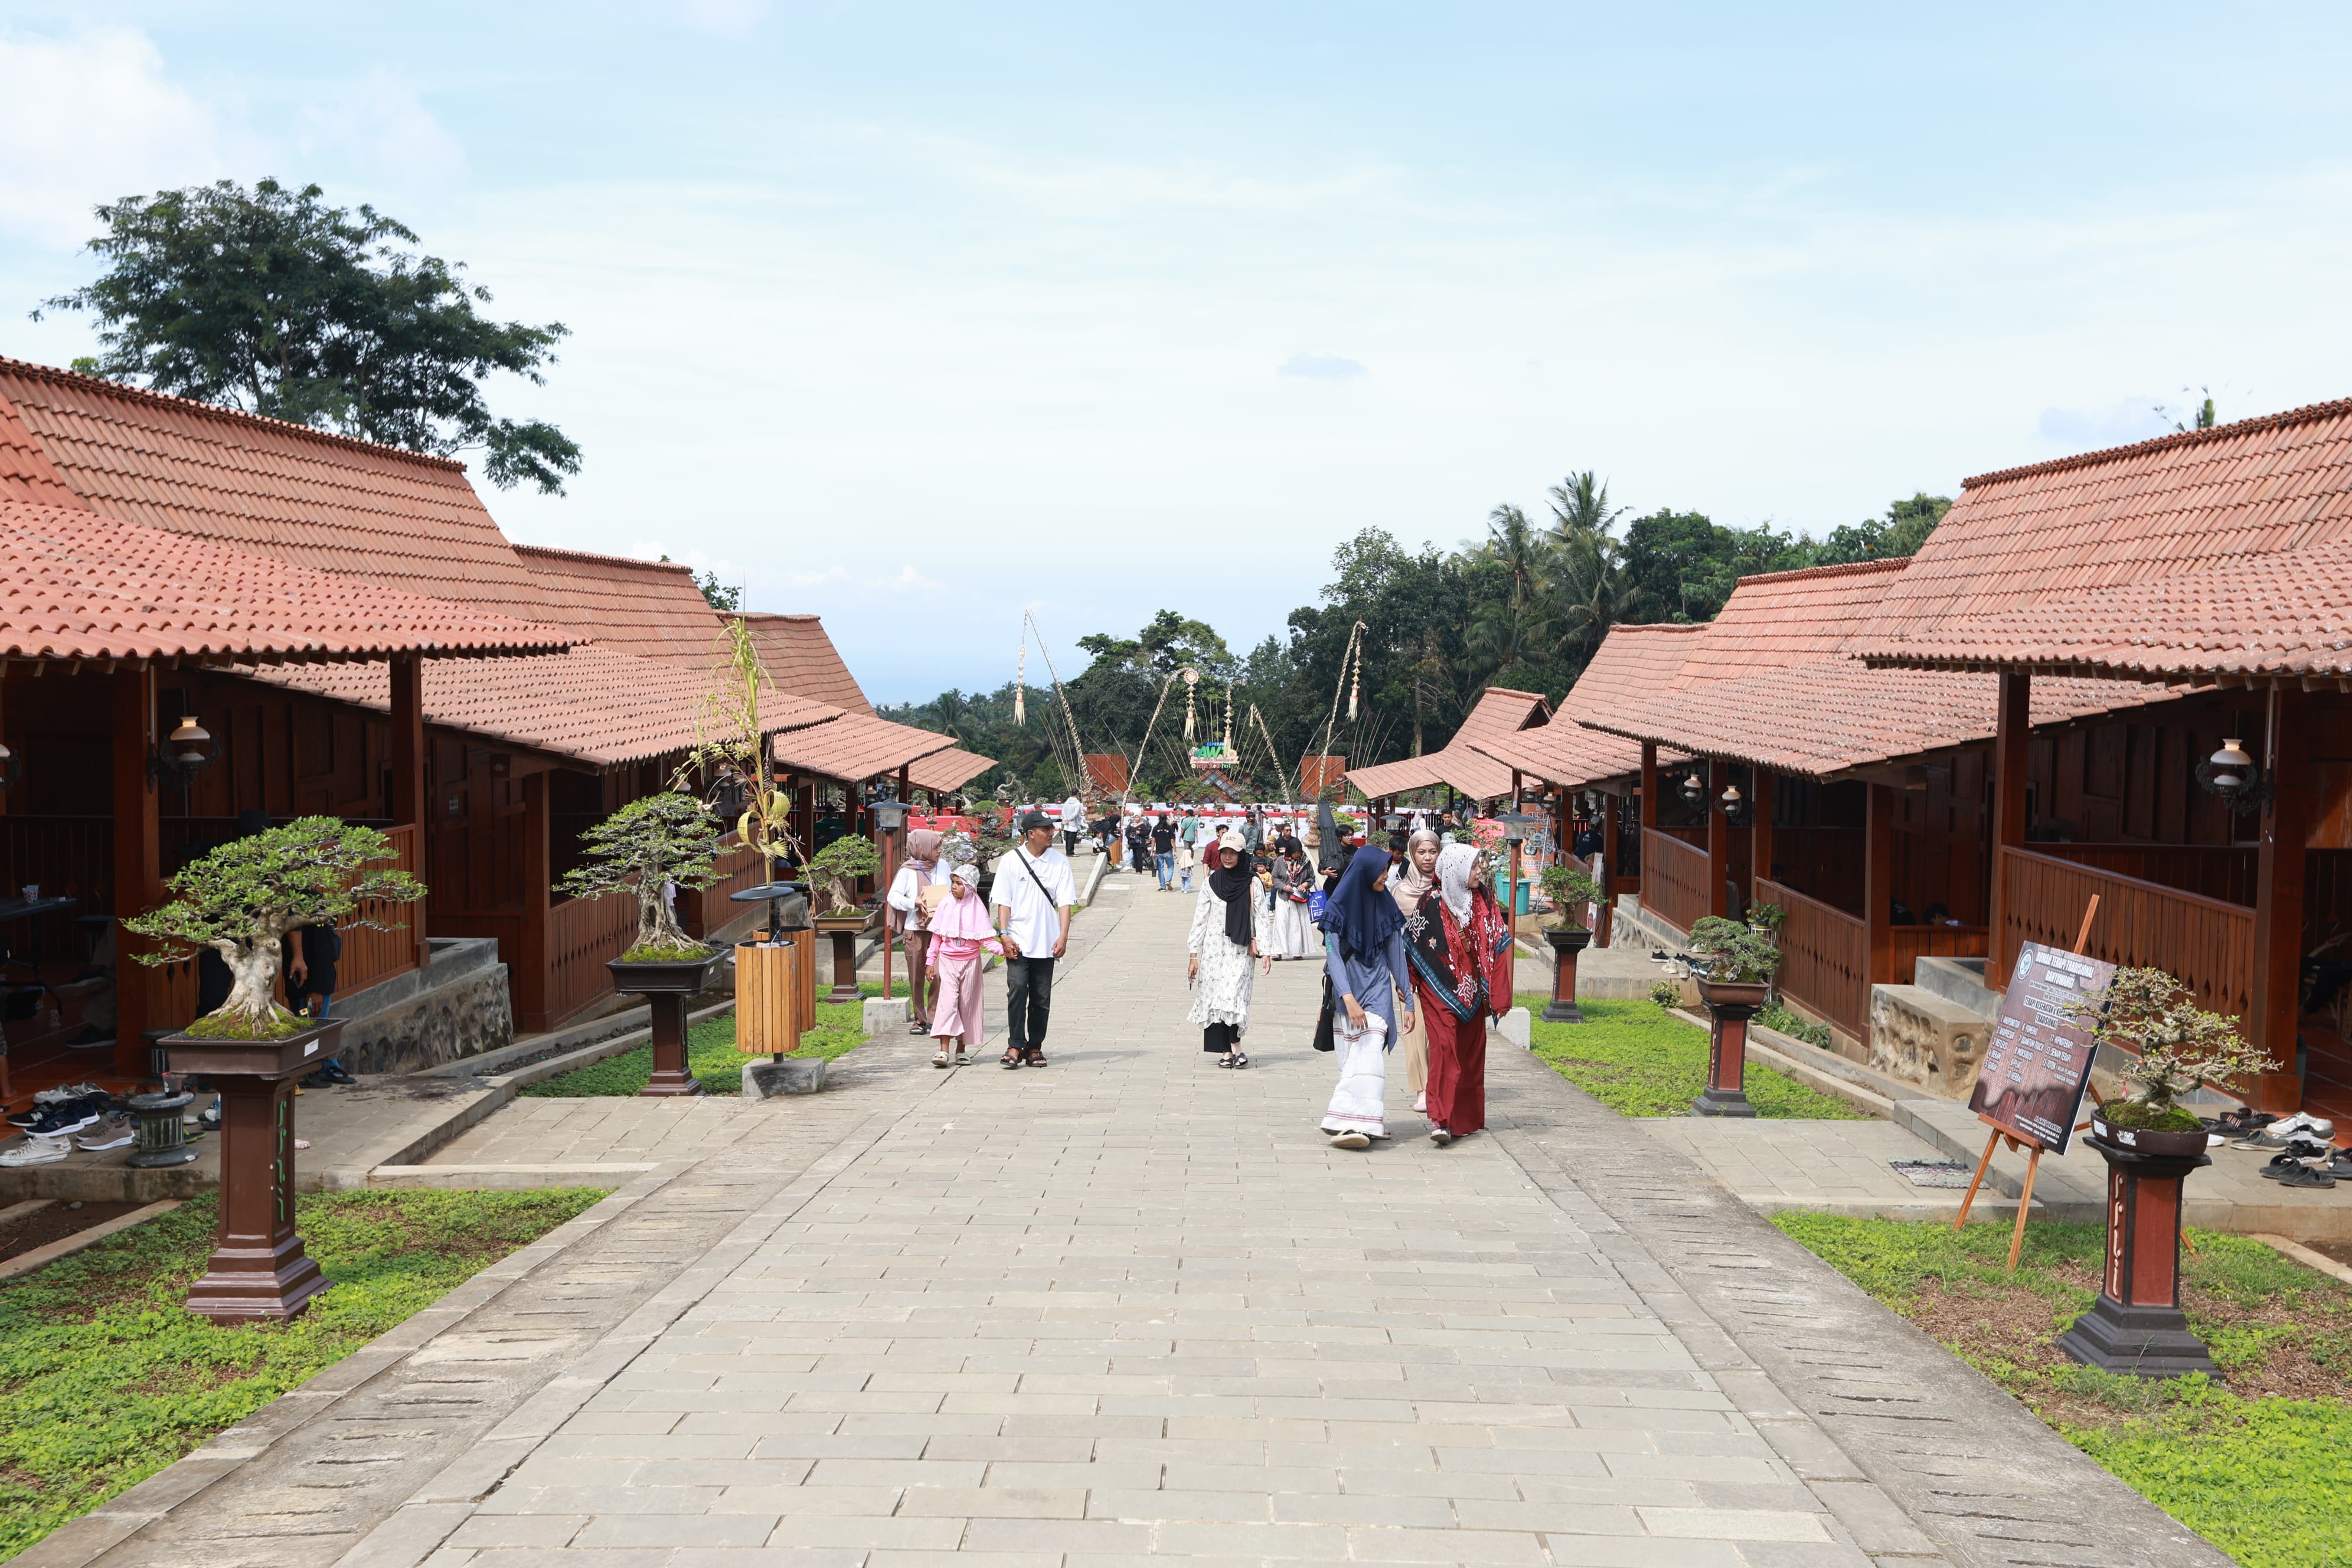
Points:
[[258, 1269], [843, 935], [2136, 1324], [1566, 943], [1730, 1006], [667, 987]]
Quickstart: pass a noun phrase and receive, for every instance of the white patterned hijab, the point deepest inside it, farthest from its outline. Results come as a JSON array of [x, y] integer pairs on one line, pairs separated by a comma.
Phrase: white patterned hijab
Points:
[[1456, 864]]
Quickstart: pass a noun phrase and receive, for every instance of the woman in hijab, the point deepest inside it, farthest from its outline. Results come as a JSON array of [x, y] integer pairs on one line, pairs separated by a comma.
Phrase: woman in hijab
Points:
[[1364, 962], [1222, 943], [910, 915], [1292, 884], [1459, 944], [1411, 882], [960, 931]]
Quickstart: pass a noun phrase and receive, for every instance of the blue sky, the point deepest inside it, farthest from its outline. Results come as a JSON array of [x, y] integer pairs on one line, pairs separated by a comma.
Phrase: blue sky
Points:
[[915, 316]]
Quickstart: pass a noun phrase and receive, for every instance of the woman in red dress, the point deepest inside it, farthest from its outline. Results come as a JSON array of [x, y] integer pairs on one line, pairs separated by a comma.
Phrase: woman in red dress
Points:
[[1459, 947]]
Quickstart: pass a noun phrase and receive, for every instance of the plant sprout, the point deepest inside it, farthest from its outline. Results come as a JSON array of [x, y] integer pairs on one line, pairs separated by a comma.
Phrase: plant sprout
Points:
[[734, 750]]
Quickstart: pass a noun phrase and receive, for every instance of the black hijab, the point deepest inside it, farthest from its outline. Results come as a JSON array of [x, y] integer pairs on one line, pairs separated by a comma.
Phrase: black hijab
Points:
[[1235, 886]]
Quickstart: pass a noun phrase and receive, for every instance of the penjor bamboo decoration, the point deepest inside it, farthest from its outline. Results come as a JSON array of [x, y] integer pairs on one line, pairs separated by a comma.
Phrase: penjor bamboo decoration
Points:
[[1020, 680]]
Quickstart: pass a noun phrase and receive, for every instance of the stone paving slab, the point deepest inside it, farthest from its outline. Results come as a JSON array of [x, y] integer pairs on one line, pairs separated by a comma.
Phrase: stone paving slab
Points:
[[1840, 1167]]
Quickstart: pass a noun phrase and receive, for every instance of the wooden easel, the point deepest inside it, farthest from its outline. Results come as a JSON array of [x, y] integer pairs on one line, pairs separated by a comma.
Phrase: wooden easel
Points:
[[1997, 1137]]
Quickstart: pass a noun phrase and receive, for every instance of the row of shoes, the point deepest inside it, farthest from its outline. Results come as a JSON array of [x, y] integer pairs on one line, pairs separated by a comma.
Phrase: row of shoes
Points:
[[102, 1121], [2301, 1146]]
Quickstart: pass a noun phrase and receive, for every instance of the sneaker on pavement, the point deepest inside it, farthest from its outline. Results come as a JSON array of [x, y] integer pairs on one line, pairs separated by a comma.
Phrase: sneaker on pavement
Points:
[[33, 1152], [2302, 1123], [113, 1132], [59, 1120]]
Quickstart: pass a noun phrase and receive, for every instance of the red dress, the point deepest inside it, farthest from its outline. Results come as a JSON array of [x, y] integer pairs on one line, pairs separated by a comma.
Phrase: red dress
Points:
[[1461, 972]]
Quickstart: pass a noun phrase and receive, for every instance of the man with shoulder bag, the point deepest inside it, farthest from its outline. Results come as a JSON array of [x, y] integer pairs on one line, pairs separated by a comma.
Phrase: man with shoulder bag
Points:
[[1034, 893]]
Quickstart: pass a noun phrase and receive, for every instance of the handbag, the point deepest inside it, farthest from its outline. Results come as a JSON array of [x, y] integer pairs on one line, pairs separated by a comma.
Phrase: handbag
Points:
[[1316, 902], [1323, 1041]]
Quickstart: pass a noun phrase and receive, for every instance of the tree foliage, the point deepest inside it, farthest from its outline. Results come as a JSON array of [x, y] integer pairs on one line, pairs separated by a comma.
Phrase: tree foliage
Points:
[[272, 301], [244, 896], [664, 837]]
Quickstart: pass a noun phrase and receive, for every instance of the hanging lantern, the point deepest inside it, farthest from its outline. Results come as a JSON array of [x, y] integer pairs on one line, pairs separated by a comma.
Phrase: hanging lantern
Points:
[[1192, 680], [1020, 681]]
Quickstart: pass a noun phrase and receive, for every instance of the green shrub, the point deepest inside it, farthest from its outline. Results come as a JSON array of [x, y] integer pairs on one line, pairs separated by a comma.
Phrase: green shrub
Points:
[[1641, 1062], [1795, 1027]]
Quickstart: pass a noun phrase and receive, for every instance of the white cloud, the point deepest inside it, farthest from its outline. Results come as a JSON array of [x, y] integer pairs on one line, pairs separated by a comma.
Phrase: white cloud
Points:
[[1321, 367], [89, 118], [378, 129]]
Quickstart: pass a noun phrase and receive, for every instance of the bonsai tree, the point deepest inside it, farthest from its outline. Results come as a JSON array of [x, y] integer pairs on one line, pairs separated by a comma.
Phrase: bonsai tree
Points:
[[662, 838], [1767, 916], [2170, 1047], [243, 897], [731, 756], [836, 867], [1569, 888], [1730, 953]]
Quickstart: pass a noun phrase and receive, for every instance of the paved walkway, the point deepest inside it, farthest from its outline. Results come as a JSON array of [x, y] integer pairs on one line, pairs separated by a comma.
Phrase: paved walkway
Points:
[[1132, 1307]]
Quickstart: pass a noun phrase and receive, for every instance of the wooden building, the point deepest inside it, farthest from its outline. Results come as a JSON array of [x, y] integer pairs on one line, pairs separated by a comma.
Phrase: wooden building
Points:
[[1459, 767]]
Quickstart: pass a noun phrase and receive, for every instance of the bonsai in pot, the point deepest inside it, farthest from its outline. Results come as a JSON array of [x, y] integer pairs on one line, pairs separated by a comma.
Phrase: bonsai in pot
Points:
[[240, 900], [1569, 888], [1738, 966], [650, 845], [832, 874], [2150, 1142]]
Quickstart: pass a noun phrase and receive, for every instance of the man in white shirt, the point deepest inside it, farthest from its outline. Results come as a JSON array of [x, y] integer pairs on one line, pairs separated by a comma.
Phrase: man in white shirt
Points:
[[1074, 823], [1033, 895]]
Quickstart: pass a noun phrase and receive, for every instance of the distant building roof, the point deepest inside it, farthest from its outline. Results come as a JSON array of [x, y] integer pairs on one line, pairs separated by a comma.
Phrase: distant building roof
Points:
[[1632, 663], [1500, 712], [801, 659], [78, 584], [858, 746], [651, 608], [399, 518], [949, 770]]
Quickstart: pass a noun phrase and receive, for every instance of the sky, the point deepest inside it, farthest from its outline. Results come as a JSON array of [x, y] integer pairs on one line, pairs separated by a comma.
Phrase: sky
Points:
[[920, 316]]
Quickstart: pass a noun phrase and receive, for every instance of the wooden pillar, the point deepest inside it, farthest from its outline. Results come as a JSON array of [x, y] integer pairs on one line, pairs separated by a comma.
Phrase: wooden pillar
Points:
[[1718, 838], [1878, 882], [2013, 729], [1650, 784], [138, 864], [534, 965], [2276, 991], [1759, 833], [407, 803]]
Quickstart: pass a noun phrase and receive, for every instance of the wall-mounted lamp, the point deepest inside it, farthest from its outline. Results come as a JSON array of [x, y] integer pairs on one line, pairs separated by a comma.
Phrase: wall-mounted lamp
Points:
[[2232, 776], [185, 753], [1693, 788], [1734, 806]]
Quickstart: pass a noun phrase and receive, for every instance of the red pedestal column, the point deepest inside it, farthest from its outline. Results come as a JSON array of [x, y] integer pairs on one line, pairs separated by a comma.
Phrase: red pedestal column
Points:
[[2136, 1324], [258, 1269], [1730, 1006], [1565, 945], [671, 1073]]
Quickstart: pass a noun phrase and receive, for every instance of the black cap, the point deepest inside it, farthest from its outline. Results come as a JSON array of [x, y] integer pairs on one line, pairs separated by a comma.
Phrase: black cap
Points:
[[1033, 820]]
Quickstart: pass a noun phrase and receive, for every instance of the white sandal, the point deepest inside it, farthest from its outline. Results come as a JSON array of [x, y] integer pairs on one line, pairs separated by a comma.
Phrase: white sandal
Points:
[[941, 1059]]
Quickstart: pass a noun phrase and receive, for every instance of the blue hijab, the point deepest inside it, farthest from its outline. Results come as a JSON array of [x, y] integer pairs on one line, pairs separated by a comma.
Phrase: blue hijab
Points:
[[1361, 916]]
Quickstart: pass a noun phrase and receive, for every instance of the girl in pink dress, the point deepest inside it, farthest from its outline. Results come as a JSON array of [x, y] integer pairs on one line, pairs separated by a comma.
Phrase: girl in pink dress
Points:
[[960, 932]]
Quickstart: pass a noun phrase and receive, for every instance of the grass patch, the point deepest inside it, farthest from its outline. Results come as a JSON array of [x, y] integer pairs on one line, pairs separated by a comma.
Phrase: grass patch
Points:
[[2255, 1465], [105, 1379], [1640, 1060], [710, 1054]]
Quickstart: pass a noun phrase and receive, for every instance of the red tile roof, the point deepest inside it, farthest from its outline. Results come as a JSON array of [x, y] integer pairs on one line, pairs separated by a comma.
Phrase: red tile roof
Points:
[[650, 608], [1776, 620], [2183, 503], [399, 518], [2279, 616], [78, 584], [1500, 712], [1836, 715], [801, 659], [858, 746], [949, 770], [562, 704], [1632, 663]]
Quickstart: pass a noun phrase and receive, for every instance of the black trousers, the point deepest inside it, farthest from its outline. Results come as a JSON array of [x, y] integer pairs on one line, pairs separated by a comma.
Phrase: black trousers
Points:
[[1028, 1000], [1070, 845], [1219, 1039]]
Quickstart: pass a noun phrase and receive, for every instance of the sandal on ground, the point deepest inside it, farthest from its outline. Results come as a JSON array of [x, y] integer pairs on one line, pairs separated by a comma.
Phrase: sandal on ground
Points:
[[2304, 1176], [1034, 1057], [1239, 1060], [1227, 1060], [961, 1058], [917, 1027], [1011, 1059], [1350, 1140], [941, 1059]]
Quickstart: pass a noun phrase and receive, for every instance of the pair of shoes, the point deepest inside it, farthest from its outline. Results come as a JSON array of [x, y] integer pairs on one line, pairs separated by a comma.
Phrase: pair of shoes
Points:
[[2288, 1171], [64, 1118], [1440, 1136], [33, 1152], [45, 1098], [1421, 1102], [317, 1078], [2265, 1139], [2239, 1121], [337, 1074], [210, 1120], [1350, 1140], [115, 1132], [2303, 1125]]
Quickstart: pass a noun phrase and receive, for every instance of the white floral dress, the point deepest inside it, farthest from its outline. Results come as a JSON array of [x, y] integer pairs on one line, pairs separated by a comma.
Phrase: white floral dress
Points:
[[1221, 993]]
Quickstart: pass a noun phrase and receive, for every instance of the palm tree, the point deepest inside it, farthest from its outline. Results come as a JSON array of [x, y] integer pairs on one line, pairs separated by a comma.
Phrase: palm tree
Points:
[[1516, 628], [1591, 560]]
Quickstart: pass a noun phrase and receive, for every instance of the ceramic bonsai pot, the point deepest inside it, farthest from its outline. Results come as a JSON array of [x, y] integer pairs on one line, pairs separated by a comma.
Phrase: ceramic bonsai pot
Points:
[[2137, 1325], [2141, 1141], [1567, 942], [666, 985], [1730, 1004], [258, 1269]]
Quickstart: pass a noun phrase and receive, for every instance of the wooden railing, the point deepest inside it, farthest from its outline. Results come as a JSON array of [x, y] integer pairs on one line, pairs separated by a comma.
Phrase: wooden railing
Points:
[[1913, 943], [373, 955], [2212, 871], [704, 911], [1675, 879], [583, 936], [1824, 957], [2207, 944]]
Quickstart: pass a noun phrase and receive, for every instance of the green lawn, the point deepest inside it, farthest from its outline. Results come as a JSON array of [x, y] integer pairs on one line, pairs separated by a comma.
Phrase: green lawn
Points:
[[710, 1054], [1638, 1060], [104, 1379], [2262, 1466]]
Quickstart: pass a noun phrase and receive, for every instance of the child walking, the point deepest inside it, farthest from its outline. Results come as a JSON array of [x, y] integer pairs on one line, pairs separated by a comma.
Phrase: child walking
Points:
[[960, 931]]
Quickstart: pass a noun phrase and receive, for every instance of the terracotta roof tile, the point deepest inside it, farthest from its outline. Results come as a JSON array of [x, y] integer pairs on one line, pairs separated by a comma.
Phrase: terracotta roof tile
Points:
[[80, 584], [858, 746], [2287, 615], [1779, 618], [801, 659], [1632, 663], [400, 519], [949, 770], [2181, 504], [650, 608], [1500, 712], [561, 704]]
